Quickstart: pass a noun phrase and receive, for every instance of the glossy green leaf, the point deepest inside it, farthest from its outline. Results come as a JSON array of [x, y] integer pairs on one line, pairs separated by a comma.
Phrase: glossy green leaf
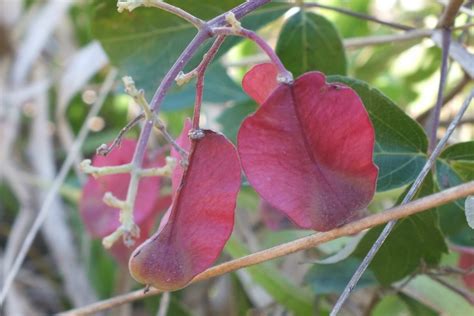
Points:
[[401, 143], [459, 152], [332, 278], [460, 157], [145, 43], [295, 298], [308, 42], [414, 240]]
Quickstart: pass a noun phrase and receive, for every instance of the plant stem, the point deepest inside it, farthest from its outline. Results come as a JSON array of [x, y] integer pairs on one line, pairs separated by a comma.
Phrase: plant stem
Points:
[[411, 193], [160, 93], [397, 212], [104, 150], [357, 42], [284, 75], [446, 41], [421, 118], [201, 70], [449, 13], [464, 293], [159, 125], [359, 16], [239, 11], [132, 5]]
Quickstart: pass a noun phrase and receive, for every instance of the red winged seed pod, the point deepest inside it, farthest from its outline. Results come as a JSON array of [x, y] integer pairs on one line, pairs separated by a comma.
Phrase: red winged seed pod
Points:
[[308, 150], [200, 220]]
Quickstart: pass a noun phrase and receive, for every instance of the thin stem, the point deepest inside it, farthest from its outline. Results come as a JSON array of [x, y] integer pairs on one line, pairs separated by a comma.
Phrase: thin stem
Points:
[[449, 14], [357, 42], [137, 95], [159, 125], [239, 12], [446, 41], [411, 193], [46, 207], [448, 97], [160, 93], [397, 212], [359, 16], [131, 5], [104, 150], [164, 171], [284, 75], [460, 291], [164, 304], [87, 167], [201, 70]]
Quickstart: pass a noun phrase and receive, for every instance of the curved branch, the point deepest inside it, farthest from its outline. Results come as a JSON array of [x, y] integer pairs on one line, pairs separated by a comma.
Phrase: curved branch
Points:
[[131, 5], [308, 242], [284, 75]]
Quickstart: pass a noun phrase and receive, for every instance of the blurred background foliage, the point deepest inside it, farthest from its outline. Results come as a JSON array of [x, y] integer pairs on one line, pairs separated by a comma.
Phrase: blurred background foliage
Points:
[[145, 43]]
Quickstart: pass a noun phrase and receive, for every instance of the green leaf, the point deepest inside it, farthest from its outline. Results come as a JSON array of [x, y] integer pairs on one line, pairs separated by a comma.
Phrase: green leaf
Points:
[[439, 297], [460, 157], [459, 152], [102, 270], [414, 240], [332, 278], [455, 166], [239, 296], [308, 42], [231, 118], [390, 305], [452, 219], [284, 292], [218, 88], [145, 43], [401, 143], [416, 307]]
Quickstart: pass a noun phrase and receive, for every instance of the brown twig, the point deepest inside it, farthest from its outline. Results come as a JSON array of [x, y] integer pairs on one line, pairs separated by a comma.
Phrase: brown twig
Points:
[[449, 13], [311, 241]]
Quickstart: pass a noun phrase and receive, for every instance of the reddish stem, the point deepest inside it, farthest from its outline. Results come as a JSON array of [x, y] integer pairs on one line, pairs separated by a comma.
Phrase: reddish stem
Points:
[[284, 75], [160, 93], [201, 70]]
